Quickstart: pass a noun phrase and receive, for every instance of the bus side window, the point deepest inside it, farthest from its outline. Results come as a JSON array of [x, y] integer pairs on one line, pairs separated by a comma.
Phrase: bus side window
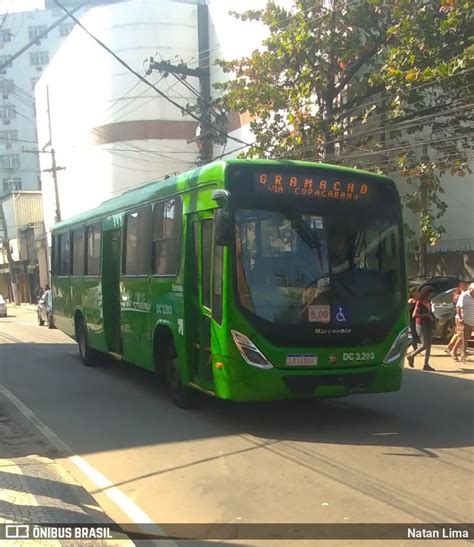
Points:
[[137, 241], [167, 219], [55, 255], [64, 254], [78, 248], [206, 261], [93, 249], [217, 283]]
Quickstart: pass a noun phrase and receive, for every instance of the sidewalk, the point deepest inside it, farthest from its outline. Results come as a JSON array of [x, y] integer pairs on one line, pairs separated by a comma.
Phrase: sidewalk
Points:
[[444, 363], [35, 489]]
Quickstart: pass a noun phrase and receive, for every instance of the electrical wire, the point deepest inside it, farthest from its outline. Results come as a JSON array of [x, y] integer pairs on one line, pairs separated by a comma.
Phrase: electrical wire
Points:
[[140, 77]]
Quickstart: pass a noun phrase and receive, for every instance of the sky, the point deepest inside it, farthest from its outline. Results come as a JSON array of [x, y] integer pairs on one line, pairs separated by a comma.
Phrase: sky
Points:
[[10, 6]]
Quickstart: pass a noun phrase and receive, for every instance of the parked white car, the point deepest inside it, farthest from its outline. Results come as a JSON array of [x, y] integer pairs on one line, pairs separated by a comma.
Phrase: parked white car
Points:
[[3, 307]]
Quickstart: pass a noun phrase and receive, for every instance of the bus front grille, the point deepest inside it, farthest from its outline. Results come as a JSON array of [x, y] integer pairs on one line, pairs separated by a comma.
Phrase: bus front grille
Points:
[[305, 385]]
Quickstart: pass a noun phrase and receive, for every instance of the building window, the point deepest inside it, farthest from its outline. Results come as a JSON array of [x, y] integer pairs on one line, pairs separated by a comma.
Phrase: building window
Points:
[[138, 241], [11, 184], [5, 59], [65, 30], [93, 249], [7, 86], [7, 111], [34, 32], [167, 237], [5, 36], [10, 161], [6, 136], [39, 58]]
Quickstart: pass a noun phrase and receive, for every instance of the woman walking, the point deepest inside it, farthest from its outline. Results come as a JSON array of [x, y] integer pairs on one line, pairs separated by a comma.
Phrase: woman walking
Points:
[[424, 319]]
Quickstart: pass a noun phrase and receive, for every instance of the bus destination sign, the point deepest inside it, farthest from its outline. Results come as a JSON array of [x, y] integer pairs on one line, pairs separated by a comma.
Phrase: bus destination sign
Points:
[[310, 186]]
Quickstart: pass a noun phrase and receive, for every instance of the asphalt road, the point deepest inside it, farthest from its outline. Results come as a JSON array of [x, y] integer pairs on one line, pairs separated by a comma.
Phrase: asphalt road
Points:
[[401, 457]]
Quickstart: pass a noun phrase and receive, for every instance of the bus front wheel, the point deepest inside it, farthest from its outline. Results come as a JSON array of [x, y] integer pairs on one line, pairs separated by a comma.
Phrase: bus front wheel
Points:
[[181, 395], [85, 352]]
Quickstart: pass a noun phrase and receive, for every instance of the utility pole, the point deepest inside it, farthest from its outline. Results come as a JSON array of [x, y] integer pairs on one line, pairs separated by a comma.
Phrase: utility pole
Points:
[[11, 263], [53, 170], [209, 131], [205, 83]]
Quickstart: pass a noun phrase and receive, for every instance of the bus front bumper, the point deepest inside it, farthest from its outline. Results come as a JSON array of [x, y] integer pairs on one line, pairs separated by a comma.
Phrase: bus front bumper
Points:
[[242, 382]]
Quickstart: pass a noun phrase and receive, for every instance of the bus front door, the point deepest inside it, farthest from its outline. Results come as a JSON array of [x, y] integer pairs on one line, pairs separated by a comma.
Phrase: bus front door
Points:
[[200, 280], [111, 289]]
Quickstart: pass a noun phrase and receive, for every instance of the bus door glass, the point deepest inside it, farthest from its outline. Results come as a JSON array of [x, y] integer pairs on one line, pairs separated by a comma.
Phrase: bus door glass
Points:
[[111, 288], [202, 233], [135, 286]]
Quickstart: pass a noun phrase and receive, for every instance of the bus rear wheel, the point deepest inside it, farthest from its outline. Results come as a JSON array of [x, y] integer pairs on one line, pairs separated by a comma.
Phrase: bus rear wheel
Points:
[[85, 352], [181, 395]]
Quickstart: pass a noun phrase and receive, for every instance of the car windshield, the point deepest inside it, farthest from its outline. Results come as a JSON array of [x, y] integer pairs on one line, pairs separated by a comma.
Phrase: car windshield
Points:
[[295, 269], [444, 298]]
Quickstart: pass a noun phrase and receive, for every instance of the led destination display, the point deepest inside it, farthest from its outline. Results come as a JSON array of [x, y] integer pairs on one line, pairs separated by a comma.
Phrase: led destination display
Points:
[[307, 186]]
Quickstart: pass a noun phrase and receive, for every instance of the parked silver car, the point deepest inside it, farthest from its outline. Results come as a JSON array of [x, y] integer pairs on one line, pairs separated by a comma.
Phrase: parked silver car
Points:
[[3, 307]]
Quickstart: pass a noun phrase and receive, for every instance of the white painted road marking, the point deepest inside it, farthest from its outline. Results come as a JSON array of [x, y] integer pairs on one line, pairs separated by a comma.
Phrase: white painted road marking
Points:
[[123, 502]]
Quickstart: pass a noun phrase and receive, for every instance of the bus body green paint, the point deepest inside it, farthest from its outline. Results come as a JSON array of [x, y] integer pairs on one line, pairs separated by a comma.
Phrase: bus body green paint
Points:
[[308, 298]]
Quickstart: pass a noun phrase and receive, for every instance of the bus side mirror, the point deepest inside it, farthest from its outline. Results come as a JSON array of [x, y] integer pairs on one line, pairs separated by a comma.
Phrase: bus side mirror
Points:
[[223, 227]]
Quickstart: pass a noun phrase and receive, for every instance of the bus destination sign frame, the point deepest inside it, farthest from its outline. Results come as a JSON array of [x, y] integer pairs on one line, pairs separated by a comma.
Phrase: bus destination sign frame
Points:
[[306, 186]]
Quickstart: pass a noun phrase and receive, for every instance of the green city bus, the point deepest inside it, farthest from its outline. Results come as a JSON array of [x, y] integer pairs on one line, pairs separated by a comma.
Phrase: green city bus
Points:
[[245, 279]]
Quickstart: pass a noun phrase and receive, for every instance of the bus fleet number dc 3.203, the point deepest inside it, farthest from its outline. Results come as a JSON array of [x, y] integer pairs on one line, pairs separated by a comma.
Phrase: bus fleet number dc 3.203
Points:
[[364, 356]]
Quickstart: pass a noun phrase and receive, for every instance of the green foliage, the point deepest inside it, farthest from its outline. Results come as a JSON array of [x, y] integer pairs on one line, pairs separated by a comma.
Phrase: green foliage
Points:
[[379, 84]]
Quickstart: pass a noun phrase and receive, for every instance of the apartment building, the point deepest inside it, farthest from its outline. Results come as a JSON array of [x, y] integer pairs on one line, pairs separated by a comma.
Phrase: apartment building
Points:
[[20, 180]]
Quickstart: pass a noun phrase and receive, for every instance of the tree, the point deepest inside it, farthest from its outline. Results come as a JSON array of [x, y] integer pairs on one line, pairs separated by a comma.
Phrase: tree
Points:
[[384, 84]]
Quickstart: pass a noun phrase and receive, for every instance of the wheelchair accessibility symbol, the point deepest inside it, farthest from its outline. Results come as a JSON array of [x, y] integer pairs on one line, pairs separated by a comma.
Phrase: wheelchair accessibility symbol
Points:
[[340, 315]]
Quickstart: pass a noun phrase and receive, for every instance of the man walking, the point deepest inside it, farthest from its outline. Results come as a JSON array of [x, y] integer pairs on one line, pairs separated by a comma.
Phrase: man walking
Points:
[[465, 312]]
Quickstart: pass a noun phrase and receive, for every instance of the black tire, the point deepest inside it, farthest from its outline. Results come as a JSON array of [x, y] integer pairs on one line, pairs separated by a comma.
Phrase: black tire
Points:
[[40, 321], [181, 395], [86, 354]]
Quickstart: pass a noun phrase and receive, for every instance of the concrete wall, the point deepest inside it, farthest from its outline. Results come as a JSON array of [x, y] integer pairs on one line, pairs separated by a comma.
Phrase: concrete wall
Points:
[[109, 130]]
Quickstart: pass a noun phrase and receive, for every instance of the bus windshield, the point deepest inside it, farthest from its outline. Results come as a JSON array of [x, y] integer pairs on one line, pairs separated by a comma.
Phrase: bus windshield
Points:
[[296, 268]]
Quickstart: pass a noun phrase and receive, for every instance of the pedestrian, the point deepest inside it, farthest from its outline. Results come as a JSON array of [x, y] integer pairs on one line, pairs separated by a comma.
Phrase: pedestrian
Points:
[[455, 342], [37, 293], [425, 321], [465, 312], [411, 308]]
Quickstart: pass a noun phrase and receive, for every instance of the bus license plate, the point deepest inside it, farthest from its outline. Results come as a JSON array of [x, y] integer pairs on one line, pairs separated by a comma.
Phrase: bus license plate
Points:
[[301, 360]]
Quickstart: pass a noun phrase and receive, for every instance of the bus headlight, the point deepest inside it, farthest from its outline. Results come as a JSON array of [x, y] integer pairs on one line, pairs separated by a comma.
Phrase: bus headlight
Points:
[[398, 347], [249, 351]]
